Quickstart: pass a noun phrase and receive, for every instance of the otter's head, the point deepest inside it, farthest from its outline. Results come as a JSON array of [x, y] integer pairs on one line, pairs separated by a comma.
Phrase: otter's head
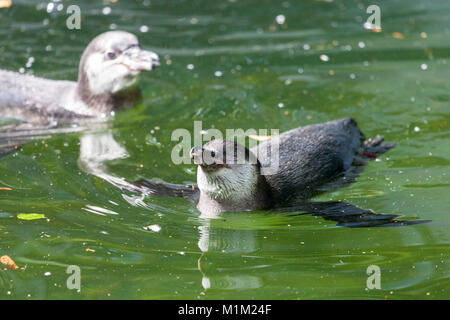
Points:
[[112, 62], [226, 170]]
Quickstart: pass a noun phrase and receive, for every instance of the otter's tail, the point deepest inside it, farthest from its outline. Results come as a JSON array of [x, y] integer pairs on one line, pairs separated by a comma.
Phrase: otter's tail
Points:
[[374, 146]]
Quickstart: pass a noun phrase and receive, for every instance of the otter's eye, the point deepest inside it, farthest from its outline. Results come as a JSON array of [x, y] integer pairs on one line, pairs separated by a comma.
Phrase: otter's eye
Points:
[[111, 55], [213, 154]]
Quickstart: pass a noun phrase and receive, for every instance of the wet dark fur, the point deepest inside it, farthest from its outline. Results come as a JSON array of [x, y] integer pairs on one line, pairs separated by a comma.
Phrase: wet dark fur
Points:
[[313, 159]]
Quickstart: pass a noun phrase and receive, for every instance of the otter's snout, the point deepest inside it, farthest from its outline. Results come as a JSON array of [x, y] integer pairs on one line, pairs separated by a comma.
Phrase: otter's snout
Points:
[[205, 157]]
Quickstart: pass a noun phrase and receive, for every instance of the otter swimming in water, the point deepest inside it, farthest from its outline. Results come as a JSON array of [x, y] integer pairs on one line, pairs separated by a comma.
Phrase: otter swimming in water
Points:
[[308, 160], [108, 71]]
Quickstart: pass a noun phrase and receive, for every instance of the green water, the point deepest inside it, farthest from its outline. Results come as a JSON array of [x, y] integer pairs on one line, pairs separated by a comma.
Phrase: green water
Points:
[[376, 78]]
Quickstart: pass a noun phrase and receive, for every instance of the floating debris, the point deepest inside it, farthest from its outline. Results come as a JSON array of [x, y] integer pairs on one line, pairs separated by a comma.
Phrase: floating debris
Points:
[[5, 3], [6, 260], [30, 216], [398, 35]]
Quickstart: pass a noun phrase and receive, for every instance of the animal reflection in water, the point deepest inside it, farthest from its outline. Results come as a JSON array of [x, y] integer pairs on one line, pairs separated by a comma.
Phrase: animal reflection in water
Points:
[[97, 147]]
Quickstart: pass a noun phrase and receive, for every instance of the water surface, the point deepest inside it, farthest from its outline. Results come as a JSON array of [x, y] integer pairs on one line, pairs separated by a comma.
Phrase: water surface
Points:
[[231, 65]]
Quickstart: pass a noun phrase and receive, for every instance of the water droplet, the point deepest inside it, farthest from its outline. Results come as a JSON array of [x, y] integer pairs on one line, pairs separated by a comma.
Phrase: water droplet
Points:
[[143, 29], [50, 7], [423, 66], [280, 19], [218, 73], [29, 62], [324, 57], [106, 11], [153, 227]]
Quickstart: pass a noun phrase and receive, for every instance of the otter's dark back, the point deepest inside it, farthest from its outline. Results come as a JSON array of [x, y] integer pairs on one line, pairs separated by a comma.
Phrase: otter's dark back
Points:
[[310, 156]]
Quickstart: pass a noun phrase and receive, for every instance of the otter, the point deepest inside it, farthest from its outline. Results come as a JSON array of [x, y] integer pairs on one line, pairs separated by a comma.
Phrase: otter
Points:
[[283, 174], [307, 159], [107, 76]]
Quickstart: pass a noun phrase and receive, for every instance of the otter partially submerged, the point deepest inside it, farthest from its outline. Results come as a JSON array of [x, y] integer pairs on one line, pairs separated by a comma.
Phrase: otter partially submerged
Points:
[[229, 175], [303, 162], [108, 70]]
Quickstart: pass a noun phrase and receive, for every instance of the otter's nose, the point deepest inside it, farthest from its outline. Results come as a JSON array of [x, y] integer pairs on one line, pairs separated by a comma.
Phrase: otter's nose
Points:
[[196, 154]]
